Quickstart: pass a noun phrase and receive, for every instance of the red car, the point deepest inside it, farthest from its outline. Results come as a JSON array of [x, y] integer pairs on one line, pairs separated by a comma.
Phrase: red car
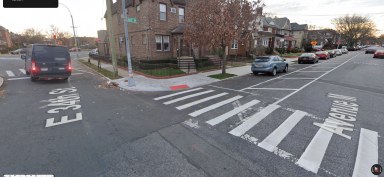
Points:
[[317, 49], [323, 54], [74, 49], [379, 53]]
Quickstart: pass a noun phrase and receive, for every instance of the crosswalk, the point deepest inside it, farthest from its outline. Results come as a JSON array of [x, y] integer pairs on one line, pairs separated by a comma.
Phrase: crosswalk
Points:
[[15, 72], [314, 153]]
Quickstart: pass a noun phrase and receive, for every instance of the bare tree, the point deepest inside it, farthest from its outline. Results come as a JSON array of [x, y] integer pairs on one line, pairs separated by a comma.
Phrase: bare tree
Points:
[[218, 23], [354, 27], [33, 35], [269, 14]]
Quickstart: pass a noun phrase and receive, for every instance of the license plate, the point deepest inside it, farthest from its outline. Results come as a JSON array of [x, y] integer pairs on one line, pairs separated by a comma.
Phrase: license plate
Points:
[[44, 69], [259, 65], [61, 68], [305, 58]]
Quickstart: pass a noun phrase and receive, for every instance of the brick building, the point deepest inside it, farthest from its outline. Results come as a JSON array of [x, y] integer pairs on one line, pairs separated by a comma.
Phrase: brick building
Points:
[[5, 38], [82, 41], [158, 31], [103, 45]]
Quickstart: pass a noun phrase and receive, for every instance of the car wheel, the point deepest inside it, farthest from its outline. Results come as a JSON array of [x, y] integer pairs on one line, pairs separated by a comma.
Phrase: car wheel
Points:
[[299, 62], [273, 73], [285, 69], [33, 79]]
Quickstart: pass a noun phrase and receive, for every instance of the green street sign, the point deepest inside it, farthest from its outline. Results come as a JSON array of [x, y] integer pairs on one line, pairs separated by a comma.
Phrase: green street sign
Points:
[[133, 20]]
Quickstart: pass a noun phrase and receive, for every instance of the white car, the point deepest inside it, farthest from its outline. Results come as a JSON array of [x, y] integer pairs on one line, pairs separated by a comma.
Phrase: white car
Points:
[[344, 51]]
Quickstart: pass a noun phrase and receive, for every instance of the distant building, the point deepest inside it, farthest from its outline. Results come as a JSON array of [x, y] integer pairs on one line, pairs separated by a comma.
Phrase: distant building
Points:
[[5, 38], [300, 33], [103, 45], [83, 41]]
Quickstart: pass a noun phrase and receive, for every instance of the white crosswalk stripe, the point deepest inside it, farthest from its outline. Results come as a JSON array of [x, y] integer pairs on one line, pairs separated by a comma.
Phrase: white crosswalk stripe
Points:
[[214, 106], [10, 73], [367, 153], [314, 153], [256, 118], [23, 71], [188, 96], [178, 93], [274, 139], [200, 101], [229, 114]]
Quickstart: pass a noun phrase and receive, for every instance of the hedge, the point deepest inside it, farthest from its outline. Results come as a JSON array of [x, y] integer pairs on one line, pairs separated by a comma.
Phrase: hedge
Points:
[[157, 66], [173, 60]]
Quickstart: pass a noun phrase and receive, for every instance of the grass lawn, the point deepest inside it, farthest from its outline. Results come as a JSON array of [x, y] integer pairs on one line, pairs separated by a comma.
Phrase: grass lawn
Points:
[[294, 61], [291, 54], [160, 72], [208, 68], [219, 76], [102, 71]]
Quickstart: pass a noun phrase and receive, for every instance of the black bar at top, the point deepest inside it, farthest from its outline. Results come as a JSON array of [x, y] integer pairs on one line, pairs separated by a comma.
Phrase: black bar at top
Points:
[[30, 3]]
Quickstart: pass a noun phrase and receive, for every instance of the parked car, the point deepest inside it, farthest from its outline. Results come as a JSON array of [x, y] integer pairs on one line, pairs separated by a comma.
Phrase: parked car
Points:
[[308, 58], [323, 55], [379, 53], [269, 64], [338, 52], [94, 52], [351, 48], [332, 53], [17, 51], [344, 51], [74, 49], [318, 49], [47, 62], [370, 50]]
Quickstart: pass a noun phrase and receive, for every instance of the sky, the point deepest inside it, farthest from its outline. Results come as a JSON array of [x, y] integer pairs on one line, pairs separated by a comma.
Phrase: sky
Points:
[[88, 14]]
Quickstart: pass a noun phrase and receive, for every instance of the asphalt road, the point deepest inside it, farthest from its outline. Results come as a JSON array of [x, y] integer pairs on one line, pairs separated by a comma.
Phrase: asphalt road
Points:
[[246, 126]]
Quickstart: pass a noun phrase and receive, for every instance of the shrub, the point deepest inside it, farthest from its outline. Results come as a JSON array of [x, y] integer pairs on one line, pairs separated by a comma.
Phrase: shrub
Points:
[[269, 50], [308, 48], [157, 66], [280, 50], [288, 51], [294, 50], [125, 57], [219, 52], [146, 61]]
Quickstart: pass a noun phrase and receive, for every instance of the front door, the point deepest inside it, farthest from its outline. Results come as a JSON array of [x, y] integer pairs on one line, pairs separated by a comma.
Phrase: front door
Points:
[[184, 48]]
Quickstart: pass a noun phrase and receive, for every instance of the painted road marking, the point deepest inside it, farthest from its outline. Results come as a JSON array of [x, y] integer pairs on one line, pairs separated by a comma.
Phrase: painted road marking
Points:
[[214, 106], [178, 87], [272, 88], [200, 101], [178, 93], [64, 120], [367, 153], [314, 153], [229, 114], [270, 143], [312, 71], [256, 118], [297, 78], [23, 71], [19, 78], [323, 67], [188, 96], [10, 73]]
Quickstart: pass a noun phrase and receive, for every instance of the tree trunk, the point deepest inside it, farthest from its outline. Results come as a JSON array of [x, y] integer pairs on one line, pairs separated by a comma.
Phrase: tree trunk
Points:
[[224, 61]]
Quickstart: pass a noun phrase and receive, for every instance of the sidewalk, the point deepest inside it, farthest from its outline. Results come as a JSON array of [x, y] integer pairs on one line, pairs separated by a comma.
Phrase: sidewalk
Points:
[[154, 85]]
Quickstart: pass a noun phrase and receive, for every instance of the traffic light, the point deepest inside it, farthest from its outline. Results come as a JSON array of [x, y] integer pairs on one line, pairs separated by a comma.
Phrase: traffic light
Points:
[[54, 36]]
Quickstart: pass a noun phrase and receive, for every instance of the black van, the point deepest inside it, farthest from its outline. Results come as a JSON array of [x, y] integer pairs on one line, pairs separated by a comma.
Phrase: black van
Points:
[[47, 62]]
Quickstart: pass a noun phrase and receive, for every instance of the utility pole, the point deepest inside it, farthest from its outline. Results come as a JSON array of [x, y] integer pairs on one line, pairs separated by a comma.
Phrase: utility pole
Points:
[[131, 80], [111, 37], [339, 40]]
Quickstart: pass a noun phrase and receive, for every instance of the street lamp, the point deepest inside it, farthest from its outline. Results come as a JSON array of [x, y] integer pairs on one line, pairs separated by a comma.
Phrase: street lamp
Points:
[[73, 26]]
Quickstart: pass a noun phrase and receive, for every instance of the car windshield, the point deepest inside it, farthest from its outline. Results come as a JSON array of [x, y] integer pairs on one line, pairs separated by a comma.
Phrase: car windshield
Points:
[[262, 59]]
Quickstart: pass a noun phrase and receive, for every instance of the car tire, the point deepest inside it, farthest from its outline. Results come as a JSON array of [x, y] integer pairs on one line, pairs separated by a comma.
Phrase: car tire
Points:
[[33, 79], [285, 69], [273, 73], [299, 62]]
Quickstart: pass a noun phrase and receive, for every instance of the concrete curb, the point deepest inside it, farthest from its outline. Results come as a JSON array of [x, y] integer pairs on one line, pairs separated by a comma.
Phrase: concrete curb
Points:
[[109, 80], [1, 81]]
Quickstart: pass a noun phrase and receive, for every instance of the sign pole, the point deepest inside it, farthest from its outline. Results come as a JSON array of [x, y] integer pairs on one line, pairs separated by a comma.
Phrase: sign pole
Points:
[[131, 80]]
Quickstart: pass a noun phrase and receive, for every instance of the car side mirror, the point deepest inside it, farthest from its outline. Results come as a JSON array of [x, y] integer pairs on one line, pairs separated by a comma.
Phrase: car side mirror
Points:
[[285, 59]]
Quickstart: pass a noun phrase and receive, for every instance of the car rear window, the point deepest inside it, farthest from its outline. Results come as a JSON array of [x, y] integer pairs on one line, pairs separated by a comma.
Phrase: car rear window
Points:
[[307, 55], [320, 52], [262, 59], [49, 53]]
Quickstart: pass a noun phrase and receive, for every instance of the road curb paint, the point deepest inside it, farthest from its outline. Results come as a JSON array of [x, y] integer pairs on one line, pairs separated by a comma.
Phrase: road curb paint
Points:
[[178, 87]]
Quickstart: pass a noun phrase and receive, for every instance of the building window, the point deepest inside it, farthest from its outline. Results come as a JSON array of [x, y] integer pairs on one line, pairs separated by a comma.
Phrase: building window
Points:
[[119, 43], [159, 46], [162, 43], [133, 39], [235, 44], [181, 15], [144, 37], [269, 29], [163, 12], [166, 43], [137, 8], [118, 18]]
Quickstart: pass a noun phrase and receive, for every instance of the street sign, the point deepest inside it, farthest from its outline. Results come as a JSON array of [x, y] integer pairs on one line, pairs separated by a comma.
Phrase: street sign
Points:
[[339, 42], [133, 20], [281, 40], [98, 40], [75, 45], [313, 42]]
